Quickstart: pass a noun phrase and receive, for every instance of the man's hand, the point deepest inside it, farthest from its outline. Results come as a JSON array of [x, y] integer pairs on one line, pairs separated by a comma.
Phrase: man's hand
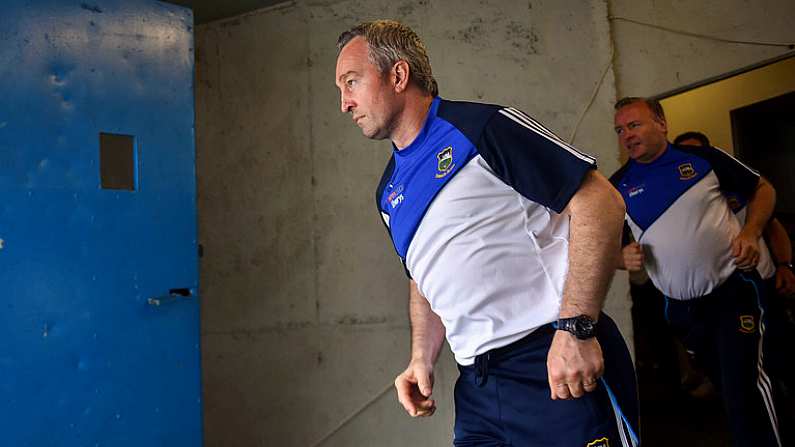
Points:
[[633, 257], [785, 281], [573, 366], [745, 250], [414, 387]]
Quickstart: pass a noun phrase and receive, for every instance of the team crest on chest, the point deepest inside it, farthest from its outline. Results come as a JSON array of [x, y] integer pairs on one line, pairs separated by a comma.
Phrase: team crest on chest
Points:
[[445, 162], [747, 324], [686, 171], [601, 442]]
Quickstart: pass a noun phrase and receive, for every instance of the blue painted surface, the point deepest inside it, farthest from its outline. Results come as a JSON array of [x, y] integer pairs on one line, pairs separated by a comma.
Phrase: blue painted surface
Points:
[[84, 359]]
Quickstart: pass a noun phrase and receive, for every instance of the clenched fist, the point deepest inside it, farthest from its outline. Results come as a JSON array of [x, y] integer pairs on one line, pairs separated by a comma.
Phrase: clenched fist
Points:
[[633, 257]]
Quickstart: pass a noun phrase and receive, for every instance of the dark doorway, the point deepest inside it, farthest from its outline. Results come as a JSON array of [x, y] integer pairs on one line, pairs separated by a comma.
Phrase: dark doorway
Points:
[[764, 137]]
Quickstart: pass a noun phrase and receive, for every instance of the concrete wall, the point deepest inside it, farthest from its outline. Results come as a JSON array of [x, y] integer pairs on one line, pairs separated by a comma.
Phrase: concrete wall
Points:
[[651, 61], [304, 302]]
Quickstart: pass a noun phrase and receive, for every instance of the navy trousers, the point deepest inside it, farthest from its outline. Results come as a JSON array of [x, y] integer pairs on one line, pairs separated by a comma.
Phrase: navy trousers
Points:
[[504, 398], [726, 329]]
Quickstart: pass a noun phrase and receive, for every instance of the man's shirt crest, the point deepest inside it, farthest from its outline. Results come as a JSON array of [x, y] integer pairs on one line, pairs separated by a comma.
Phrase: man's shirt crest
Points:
[[445, 162]]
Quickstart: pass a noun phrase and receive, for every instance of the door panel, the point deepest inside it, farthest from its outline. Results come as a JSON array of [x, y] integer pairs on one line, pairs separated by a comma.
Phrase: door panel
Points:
[[85, 359]]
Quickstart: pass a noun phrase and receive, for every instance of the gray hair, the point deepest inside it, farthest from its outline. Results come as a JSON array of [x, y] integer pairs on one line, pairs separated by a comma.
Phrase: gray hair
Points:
[[389, 42]]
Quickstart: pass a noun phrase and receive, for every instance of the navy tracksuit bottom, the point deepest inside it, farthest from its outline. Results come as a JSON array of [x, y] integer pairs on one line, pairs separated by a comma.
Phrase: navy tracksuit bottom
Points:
[[504, 398], [726, 329]]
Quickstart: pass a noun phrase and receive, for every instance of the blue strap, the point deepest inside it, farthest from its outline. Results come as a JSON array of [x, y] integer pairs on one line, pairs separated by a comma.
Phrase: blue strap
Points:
[[617, 407]]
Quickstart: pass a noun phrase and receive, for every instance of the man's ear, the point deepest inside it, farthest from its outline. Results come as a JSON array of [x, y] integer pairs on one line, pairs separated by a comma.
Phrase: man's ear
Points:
[[662, 123], [400, 75]]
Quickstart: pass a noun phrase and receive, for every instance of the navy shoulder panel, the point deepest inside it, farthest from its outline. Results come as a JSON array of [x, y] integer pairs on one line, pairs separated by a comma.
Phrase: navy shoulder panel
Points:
[[734, 176], [468, 117], [532, 159], [523, 153]]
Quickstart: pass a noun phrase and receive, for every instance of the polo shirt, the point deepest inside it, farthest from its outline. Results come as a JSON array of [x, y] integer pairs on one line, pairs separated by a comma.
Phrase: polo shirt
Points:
[[678, 209], [474, 207]]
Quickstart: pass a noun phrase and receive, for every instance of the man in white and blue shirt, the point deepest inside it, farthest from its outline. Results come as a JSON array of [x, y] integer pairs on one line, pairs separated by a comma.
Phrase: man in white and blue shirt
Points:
[[707, 261], [509, 237]]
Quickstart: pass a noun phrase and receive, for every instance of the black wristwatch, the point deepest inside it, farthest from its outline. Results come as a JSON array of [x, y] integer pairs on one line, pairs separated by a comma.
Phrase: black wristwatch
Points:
[[582, 326]]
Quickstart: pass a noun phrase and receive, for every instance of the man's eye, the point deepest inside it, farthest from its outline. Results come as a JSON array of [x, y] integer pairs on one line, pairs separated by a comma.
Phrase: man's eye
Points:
[[619, 130], [350, 82], [633, 125]]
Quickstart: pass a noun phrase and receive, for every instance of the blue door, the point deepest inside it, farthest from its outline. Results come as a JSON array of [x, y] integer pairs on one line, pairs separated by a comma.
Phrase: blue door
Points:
[[99, 318]]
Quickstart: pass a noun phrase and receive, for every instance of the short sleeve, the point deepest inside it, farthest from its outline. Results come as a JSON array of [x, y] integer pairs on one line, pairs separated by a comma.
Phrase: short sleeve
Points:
[[533, 160]]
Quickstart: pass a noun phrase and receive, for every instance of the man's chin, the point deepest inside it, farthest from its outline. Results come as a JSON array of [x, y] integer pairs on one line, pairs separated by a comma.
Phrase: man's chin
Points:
[[374, 134]]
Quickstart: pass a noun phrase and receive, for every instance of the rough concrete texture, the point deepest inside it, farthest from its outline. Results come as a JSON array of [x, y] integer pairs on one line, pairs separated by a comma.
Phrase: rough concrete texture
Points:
[[304, 301], [652, 61], [255, 176]]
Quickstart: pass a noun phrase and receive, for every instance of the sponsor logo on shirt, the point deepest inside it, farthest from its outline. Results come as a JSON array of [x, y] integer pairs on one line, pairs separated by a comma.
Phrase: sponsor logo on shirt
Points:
[[445, 162], [747, 324], [395, 192], [395, 198], [601, 442], [635, 190], [686, 171]]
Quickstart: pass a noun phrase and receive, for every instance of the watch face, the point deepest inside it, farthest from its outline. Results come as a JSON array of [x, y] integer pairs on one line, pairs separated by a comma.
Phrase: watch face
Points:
[[583, 326]]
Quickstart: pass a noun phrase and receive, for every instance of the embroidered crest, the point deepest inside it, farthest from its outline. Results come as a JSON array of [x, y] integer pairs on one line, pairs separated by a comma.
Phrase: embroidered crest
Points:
[[601, 442], [445, 162], [686, 171], [747, 324]]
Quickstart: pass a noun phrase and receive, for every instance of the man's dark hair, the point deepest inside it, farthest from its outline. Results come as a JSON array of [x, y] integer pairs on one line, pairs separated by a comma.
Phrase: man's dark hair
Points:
[[652, 104], [692, 135], [390, 41]]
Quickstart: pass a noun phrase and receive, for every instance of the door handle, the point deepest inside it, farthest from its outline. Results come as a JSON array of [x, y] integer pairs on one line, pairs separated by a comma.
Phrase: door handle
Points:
[[173, 296]]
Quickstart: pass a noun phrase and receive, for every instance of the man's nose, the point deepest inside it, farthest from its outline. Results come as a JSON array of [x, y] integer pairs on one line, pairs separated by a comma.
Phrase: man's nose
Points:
[[626, 135], [345, 103]]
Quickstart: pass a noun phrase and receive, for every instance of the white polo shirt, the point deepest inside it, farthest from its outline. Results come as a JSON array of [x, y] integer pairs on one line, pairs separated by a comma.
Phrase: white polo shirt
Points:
[[474, 208]]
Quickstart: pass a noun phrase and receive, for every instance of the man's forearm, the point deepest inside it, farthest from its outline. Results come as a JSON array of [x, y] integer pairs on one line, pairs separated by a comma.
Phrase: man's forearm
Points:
[[779, 241], [760, 208], [597, 215], [427, 330]]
